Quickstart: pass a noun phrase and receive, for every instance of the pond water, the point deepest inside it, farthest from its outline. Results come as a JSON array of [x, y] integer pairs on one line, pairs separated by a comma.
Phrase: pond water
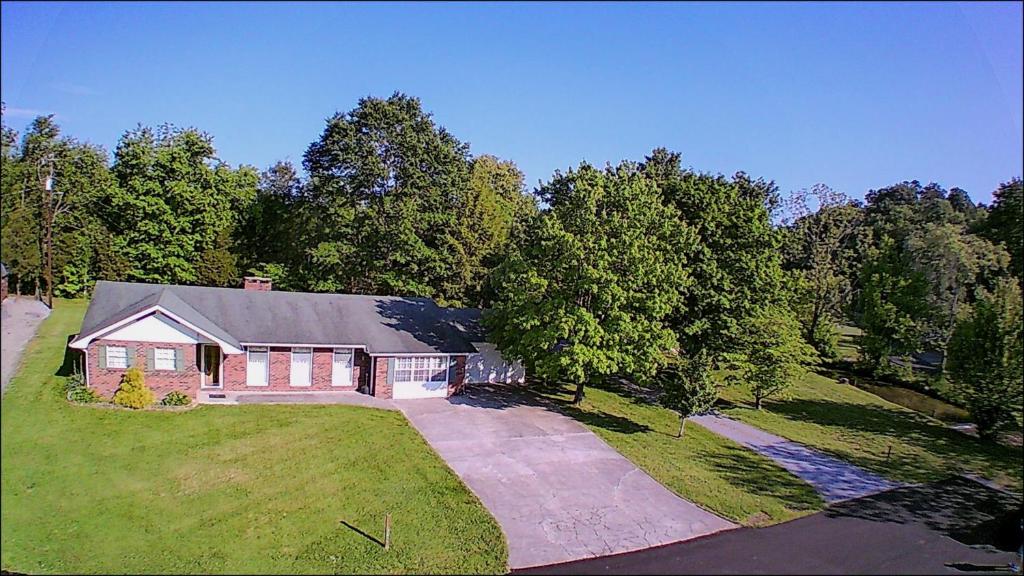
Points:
[[919, 402]]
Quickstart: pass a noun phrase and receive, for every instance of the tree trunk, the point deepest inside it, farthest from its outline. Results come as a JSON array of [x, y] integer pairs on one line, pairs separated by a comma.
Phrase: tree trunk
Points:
[[578, 397], [757, 402], [682, 425]]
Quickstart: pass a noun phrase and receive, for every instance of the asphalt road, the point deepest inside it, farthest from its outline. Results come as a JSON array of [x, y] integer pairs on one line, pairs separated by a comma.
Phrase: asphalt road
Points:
[[940, 528], [20, 317]]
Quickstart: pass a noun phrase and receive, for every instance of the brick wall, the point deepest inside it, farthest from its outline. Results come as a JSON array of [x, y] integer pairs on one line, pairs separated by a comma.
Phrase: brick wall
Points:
[[456, 384], [280, 371], [381, 387], [106, 381]]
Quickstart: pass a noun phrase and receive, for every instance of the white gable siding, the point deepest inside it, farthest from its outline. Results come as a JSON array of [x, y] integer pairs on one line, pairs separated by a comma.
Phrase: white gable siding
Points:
[[156, 328], [489, 367]]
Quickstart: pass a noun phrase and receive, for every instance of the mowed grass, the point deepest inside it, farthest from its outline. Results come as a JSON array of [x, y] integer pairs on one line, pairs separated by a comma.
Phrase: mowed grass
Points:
[[860, 428], [705, 468], [223, 489]]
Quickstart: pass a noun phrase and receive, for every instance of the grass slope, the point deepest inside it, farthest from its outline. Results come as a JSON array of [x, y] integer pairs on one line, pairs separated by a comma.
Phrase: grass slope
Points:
[[244, 489], [859, 427], [702, 467]]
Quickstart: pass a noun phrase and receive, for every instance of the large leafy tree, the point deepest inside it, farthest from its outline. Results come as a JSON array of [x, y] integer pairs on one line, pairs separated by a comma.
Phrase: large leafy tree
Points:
[[952, 262], [81, 185], [892, 303], [589, 289], [176, 207], [390, 187], [774, 354], [1005, 223], [820, 250], [274, 230], [736, 266], [987, 358], [496, 207]]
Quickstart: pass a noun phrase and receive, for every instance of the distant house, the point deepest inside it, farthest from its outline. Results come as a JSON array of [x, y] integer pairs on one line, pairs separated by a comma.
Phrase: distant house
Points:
[[205, 341]]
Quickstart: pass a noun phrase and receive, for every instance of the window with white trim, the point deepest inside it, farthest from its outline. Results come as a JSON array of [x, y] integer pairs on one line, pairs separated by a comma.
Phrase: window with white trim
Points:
[[117, 357], [302, 367], [257, 370], [164, 359], [421, 369], [341, 367]]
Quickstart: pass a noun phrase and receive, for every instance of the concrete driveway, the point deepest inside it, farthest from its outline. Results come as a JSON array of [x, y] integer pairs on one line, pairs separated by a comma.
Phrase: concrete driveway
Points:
[[557, 490], [20, 317]]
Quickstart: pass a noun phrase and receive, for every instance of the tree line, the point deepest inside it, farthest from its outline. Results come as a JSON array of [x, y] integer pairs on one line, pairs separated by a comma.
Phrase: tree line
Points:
[[644, 269]]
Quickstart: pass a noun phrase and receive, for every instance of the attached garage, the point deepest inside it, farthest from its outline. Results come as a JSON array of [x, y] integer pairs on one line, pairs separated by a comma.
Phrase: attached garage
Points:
[[420, 376]]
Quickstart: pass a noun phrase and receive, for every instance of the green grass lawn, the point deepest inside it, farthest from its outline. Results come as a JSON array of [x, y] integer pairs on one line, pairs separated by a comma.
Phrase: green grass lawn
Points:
[[860, 427], [241, 489], [705, 468]]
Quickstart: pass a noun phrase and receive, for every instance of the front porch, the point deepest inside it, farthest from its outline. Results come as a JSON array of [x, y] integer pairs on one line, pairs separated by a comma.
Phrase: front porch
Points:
[[231, 397]]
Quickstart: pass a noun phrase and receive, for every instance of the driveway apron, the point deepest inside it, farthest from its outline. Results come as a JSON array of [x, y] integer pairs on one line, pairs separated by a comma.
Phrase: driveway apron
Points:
[[558, 491], [834, 479]]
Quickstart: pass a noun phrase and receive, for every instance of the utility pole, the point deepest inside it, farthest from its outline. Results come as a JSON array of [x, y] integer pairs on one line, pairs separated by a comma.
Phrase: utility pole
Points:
[[48, 229]]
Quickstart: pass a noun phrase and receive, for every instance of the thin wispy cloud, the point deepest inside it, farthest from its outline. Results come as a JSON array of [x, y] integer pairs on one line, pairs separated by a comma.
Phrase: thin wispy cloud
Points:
[[14, 112], [75, 89]]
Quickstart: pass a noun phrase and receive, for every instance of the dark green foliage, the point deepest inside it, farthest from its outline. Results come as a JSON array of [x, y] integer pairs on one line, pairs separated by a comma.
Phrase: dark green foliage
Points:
[[390, 185], [1005, 223], [175, 398], [986, 358], [76, 390], [735, 267], [687, 387], [587, 292]]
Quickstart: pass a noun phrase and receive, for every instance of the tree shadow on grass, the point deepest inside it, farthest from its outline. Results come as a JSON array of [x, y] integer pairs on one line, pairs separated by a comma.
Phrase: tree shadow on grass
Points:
[[548, 397], [900, 427], [758, 475]]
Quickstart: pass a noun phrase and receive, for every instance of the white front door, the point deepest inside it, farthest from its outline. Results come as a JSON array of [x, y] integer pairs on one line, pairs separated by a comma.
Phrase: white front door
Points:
[[341, 367]]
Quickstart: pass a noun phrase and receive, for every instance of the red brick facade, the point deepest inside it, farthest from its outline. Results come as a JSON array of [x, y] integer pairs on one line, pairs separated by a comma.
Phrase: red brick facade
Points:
[[280, 371], [107, 380]]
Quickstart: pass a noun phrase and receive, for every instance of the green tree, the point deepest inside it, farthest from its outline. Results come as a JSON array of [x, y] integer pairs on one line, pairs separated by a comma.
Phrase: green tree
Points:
[[774, 354], [587, 293], [819, 248], [892, 304], [736, 265], [1005, 223], [273, 235], [952, 262], [496, 206], [390, 187], [175, 206], [687, 387], [985, 358]]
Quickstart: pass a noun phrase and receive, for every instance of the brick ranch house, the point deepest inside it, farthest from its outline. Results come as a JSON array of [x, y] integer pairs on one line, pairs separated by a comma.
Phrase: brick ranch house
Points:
[[205, 342]]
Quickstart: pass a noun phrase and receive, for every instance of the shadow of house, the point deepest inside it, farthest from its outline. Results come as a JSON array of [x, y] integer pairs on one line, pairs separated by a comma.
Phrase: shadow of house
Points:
[[73, 359]]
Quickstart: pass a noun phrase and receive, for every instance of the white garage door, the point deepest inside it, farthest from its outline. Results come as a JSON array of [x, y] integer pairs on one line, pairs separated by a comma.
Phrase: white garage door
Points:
[[420, 377], [489, 367], [406, 390]]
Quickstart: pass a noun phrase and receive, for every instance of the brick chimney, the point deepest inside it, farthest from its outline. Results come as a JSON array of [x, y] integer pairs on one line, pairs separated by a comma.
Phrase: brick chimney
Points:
[[258, 283]]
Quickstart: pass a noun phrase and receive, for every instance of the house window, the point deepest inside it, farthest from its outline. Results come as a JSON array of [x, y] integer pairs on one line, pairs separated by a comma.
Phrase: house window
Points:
[[164, 359], [341, 367], [302, 367], [117, 357], [421, 369], [257, 371]]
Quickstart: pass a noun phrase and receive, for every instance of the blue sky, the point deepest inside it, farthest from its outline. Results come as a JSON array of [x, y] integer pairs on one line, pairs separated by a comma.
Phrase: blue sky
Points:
[[854, 95]]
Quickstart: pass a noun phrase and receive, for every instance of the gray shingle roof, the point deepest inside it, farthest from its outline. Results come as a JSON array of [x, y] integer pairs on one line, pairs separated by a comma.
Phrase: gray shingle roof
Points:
[[384, 324]]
